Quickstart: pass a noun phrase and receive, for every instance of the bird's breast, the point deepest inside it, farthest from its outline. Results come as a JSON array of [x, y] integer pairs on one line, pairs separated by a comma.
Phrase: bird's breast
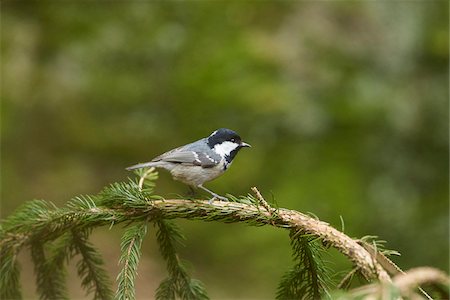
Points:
[[196, 175]]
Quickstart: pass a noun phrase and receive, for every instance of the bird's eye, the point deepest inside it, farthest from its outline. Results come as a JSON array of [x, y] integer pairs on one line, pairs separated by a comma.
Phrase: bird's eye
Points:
[[233, 140]]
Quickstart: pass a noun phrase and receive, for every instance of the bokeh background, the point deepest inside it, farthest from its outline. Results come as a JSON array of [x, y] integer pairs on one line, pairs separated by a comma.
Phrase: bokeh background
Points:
[[345, 104]]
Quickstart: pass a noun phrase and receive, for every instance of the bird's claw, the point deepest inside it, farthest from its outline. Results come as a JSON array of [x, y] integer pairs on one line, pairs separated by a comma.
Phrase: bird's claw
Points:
[[215, 196]]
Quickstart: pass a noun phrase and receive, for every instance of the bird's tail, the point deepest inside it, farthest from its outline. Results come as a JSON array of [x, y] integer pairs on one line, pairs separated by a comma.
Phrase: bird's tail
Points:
[[143, 165]]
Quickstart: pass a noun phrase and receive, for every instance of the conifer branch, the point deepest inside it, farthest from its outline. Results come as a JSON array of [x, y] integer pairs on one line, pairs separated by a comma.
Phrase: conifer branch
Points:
[[240, 212], [41, 223], [130, 249], [379, 253], [376, 249], [128, 203], [59, 253], [90, 268], [10, 274], [405, 284], [178, 282], [263, 202], [47, 287], [308, 278], [414, 278]]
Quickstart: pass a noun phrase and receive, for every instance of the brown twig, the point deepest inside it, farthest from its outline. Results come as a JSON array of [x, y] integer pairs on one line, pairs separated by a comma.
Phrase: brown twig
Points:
[[406, 282], [387, 264], [263, 201], [346, 281]]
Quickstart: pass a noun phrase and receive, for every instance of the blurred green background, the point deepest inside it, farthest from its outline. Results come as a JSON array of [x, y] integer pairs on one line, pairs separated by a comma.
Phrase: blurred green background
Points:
[[345, 104]]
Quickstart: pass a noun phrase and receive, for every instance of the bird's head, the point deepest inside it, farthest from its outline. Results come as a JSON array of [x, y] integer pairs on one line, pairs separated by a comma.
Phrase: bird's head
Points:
[[226, 143]]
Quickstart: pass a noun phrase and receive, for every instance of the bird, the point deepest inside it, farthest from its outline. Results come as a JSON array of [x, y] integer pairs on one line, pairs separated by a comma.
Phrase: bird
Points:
[[200, 161]]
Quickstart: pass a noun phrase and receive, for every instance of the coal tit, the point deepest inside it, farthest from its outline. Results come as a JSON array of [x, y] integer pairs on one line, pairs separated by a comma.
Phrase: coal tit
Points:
[[200, 161]]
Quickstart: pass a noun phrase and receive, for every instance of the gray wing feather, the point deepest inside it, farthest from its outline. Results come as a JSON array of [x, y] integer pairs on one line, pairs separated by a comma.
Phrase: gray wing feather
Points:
[[188, 158], [183, 157], [207, 161], [190, 154]]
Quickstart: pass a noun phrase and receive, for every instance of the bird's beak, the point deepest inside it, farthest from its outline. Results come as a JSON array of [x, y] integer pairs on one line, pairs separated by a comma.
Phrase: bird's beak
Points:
[[244, 144]]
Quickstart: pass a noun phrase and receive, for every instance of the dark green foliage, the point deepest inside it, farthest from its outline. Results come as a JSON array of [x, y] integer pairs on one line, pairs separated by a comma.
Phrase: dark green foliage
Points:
[[10, 274], [30, 215], [51, 274], [59, 252], [54, 237], [131, 252], [308, 278], [28, 218], [48, 286], [90, 268], [178, 282], [130, 194]]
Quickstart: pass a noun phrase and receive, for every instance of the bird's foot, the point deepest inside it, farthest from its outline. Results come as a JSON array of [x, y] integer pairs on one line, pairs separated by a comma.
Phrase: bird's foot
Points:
[[215, 196], [212, 193]]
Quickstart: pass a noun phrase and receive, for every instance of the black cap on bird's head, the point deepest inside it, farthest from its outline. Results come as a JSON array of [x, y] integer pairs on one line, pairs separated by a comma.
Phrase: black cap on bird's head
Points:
[[225, 135], [226, 142]]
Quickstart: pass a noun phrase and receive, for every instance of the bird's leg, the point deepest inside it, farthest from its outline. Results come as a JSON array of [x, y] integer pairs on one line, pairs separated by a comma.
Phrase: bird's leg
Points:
[[212, 193], [191, 192]]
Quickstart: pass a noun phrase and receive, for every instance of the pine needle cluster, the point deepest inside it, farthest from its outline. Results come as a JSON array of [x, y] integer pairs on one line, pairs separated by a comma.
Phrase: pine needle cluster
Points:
[[130, 248], [308, 279], [178, 283]]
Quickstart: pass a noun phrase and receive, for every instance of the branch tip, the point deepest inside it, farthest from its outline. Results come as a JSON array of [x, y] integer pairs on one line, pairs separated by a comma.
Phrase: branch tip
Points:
[[262, 201], [144, 176]]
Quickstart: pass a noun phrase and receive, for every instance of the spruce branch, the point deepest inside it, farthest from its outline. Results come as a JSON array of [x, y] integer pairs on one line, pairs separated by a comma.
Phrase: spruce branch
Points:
[[405, 285], [10, 274], [60, 251], [51, 273], [178, 282], [47, 286], [130, 254], [262, 201], [129, 204], [378, 252], [147, 179], [133, 203], [90, 267], [308, 278], [414, 278], [229, 212]]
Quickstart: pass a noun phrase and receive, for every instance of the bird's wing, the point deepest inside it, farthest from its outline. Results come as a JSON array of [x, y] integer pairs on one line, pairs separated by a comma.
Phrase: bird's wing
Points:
[[188, 157]]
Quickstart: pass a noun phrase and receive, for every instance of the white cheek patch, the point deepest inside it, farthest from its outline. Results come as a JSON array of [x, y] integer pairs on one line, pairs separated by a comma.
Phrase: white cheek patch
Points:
[[225, 148]]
